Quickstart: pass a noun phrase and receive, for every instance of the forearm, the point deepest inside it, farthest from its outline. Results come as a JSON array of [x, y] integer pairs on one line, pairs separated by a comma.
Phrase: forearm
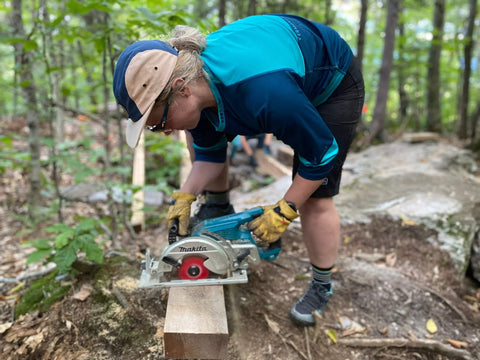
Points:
[[205, 176], [300, 190]]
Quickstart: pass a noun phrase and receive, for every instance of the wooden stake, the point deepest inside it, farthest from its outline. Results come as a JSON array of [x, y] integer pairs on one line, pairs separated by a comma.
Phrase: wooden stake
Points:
[[138, 178]]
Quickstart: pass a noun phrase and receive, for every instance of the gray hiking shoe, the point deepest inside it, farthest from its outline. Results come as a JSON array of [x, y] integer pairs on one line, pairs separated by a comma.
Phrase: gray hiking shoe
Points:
[[315, 299], [209, 211]]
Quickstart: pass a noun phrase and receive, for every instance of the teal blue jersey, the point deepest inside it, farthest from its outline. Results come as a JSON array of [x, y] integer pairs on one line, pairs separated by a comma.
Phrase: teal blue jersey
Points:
[[268, 73]]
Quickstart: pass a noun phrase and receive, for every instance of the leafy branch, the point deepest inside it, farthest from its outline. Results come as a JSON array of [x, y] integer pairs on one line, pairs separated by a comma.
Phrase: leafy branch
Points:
[[64, 248]]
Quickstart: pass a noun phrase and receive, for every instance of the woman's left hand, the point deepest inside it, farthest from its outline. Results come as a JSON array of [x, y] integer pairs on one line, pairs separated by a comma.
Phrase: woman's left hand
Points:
[[269, 226]]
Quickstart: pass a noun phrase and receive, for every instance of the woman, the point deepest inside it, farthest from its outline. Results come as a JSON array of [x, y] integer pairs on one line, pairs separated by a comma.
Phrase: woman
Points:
[[277, 74]]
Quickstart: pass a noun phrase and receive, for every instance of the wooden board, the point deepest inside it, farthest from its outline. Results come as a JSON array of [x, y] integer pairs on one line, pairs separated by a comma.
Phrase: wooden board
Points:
[[196, 323], [267, 165], [285, 155], [138, 178], [420, 137]]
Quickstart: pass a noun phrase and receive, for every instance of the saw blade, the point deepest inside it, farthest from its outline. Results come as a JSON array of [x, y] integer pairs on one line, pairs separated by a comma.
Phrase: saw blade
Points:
[[192, 268]]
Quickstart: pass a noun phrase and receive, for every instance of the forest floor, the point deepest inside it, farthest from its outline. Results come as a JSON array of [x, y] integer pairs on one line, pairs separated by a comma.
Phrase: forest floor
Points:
[[388, 284]]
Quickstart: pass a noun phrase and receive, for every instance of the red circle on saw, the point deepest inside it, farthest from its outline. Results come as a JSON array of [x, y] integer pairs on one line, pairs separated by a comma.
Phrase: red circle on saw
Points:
[[192, 268]]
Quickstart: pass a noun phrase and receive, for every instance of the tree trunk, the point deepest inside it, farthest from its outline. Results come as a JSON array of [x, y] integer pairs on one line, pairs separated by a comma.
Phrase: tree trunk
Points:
[[222, 10], [434, 113], [402, 93], [201, 9], [53, 58], [361, 32], [475, 121], [24, 64], [237, 9], [467, 54], [252, 7], [329, 15], [378, 120]]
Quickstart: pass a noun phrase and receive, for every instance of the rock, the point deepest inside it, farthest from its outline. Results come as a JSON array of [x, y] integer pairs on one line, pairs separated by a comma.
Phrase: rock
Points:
[[429, 183], [92, 193]]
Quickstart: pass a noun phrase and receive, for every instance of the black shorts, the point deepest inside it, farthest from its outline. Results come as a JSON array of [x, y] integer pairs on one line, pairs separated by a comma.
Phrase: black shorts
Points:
[[341, 112]]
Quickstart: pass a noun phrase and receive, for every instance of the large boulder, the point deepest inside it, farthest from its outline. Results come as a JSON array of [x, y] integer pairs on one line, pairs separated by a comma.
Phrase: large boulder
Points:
[[428, 183]]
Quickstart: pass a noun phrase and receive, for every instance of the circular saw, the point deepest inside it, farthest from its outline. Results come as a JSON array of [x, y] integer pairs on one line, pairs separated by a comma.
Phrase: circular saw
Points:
[[218, 251]]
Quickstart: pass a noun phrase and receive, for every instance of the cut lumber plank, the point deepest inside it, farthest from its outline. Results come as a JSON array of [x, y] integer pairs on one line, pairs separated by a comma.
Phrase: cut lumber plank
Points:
[[196, 323], [285, 155], [267, 165], [138, 178], [420, 137]]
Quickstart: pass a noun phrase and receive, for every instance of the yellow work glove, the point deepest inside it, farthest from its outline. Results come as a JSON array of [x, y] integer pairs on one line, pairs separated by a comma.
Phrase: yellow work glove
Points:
[[180, 209], [269, 226]]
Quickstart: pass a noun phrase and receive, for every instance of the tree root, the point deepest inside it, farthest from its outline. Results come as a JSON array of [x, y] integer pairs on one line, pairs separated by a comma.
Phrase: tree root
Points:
[[419, 344]]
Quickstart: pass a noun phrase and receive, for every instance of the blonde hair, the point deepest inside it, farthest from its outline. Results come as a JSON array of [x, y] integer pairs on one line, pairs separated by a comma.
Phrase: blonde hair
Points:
[[190, 43]]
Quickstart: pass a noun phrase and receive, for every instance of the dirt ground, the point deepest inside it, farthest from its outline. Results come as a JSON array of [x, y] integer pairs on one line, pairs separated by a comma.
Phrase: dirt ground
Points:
[[389, 282]]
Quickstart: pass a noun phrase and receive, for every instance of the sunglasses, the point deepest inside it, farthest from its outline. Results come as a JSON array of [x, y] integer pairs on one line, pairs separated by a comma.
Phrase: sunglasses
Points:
[[161, 125]]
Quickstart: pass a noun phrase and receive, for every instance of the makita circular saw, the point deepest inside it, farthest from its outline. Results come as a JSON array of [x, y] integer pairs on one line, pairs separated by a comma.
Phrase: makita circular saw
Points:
[[218, 251]]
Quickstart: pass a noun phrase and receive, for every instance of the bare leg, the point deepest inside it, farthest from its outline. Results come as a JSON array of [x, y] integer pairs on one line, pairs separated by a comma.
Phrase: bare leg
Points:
[[321, 231], [221, 182], [321, 234]]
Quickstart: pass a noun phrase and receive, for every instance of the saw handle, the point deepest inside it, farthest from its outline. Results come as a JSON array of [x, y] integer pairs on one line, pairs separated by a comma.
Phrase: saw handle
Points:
[[173, 231]]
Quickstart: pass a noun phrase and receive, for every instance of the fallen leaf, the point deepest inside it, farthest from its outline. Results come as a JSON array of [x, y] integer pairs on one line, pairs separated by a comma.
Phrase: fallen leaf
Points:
[[332, 335], [83, 294], [347, 239], [456, 343], [34, 340], [431, 326], [4, 327], [383, 331]]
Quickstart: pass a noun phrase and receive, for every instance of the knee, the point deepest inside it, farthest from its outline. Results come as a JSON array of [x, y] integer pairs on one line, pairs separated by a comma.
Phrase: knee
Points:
[[318, 206]]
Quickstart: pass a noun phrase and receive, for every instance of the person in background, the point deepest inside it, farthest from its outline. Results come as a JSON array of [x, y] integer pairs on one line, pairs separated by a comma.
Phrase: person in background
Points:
[[279, 74], [241, 142]]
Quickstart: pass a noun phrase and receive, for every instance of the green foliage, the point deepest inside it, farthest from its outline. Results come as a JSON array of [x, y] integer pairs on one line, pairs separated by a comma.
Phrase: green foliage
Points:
[[9, 157], [41, 295], [165, 154], [63, 249]]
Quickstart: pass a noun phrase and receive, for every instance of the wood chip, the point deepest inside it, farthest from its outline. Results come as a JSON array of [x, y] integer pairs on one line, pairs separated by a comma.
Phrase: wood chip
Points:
[[83, 294]]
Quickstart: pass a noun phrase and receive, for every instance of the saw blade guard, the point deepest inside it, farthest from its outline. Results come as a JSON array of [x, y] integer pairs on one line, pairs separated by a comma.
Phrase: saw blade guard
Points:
[[215, 257]]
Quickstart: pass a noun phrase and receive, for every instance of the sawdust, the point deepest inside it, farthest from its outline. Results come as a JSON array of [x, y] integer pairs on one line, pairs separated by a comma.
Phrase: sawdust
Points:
[[127, 284]]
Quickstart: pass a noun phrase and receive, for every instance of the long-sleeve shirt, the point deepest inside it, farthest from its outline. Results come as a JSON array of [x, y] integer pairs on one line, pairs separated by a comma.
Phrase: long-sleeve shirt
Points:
[[268, 73]]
